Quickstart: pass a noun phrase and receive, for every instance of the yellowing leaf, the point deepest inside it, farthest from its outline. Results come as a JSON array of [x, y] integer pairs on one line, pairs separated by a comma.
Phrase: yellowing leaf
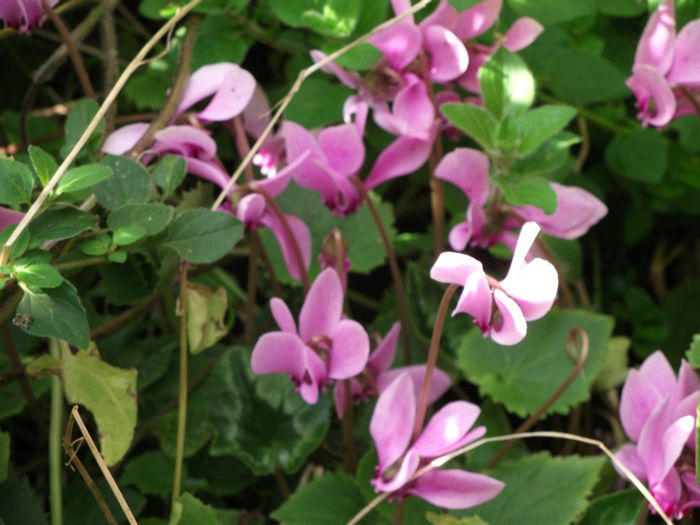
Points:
[[206, 311]]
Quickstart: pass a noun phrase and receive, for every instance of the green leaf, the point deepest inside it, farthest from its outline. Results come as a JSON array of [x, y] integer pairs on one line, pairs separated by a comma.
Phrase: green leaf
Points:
[[38, 275], [188, 510], [219, 39], [206, 311], [128, 235], [260, 419], [4, 455], [106, 391], [44, 164], [44, 364], [151, 473], [169, 173], [82, 177], [336, 18], [59, 223], [153, 217], [203, 236], [549, 12], [639, 155], [461, 5], [540, 489], [360, 58], [566, 255], [533, 191], [16, 182], [319, 102], [549, 157], [523, 376], [130, 183], [693, 353], [615, 367], [80, 507], [446, 519], [581, 78], [540, 124], [20, 245], [621, 8], [97, 246], [129, 281], [19, 505], [117, 257], [476, 122], [78, 119], [55, 312], [366, 250], [621, 508], [331, 499], [507, 86]]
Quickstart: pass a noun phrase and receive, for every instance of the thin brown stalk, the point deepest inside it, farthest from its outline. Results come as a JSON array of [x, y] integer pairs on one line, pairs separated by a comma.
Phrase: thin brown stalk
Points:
[[529, 422], [74, 461], [73, 53], [249, 329], [242, 144], [182, 388], [255, 239], [393, 268], [399, 512], [282, 484], [108, 36], [9, 304], [432, 358], [75, 414], [585, 144], [349, 451], [288, 232], [182, 75]]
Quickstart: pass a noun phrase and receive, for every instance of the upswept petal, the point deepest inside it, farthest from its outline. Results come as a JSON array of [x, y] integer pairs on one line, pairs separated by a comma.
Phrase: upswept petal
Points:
[[413, 109], [9, 217], [208, 170], [686, 58], [383, 356], [301, 233], [399, 43], [688, 380], [250, 209], [638, 399], [279, 352], [283, 317], [446, 428], [350, 351], [343, 147], [274, 186], [312, 172], [648, 86], [668, 492], [444, 15], [627, 455], [256, 115], [125, 138], [403, 156], [308, 388], [455, 489], [468, 169], [454, 268], [475, 300], [23, 15], [656, 44], [409, 464], [478, 19], [534, 288], [657, 372], [449, 57], [511, 328], [322, 307], [187, 141], [528, 234], [350, 79], [522, 33], [439, 382], [339, 395], [391, 425], [460, 235]]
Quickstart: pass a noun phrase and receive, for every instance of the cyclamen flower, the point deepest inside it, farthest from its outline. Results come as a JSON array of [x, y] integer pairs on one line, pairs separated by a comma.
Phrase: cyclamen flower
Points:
[[658, 411], [9, 217], [23, 15], [527, 293], [399, 459], [377, 375], [662, 62], [324, 348]]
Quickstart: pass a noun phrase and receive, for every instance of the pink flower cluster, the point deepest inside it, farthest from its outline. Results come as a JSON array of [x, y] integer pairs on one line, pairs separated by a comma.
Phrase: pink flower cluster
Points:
[[23, 15], [658, 411], [666, 73]]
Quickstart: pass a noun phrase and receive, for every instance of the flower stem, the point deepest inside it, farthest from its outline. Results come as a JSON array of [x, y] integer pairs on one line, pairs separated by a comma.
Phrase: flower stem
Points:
[[249, 330], [182, 388], [529, 422], [349, 452], [55, 441], [432, 359], [393, 267]]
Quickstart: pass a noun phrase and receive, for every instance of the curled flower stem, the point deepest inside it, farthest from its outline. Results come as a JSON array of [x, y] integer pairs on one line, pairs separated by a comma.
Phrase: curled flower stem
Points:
[[432, 359], [75, 58], [393, 267], [287, 231], [529, 422]]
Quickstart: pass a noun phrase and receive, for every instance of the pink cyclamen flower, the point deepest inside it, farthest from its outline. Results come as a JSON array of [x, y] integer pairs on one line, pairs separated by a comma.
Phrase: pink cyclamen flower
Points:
[[527, 292], [377, 375], [664, 61], [9, 217], [399, 459], [23, 15], [657, 411], [325, 346]]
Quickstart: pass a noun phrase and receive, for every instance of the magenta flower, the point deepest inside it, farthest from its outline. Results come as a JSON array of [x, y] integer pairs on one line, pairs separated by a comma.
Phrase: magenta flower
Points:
[[399, 459], [664, 60], [23, 15], [527, 292], [331, 159], [9, 217], [657, 411], [377, 376], [324, 348]]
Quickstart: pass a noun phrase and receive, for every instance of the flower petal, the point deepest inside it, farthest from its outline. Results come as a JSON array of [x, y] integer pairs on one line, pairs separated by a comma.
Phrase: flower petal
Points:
[[383, 356], [445, 430], [454, 268], [125, 138], [343, 147], [656, 44], [9, 217], [478, 19], [511, 328], [475, 300], [391, 425], [439, 382], [455, 489], [522, 33], [413, 108], [300, 232], [283, 317], [403, 156], [350, 350], [399, 43], [448, 56], [686, 58], [534, 288], [279, 352], [627, 455], [322, 307], [250, 209], [468, 169], [655, 100]]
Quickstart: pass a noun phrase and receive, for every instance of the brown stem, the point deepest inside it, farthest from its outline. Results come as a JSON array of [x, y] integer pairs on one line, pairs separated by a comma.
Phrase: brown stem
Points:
[[393, 267], [124, 318], [688, 95], [287, 231], [260, 247], [242, 144], [282, 484], [9, 304], [75, 57], [249, 330], [182, 75], [585, 144], [432, 358], [349, 452], [529, 422], [11, 375], [399, 512], [24, 385], [182, 389], [64, 7], [111, 65], [74, 461]]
